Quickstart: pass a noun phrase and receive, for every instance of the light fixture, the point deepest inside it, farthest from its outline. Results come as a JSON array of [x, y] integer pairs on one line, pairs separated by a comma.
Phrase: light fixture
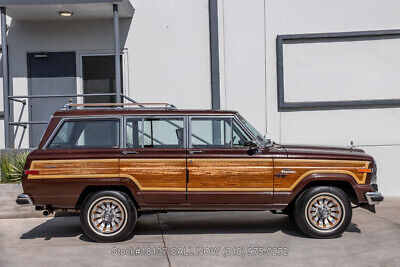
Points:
[[65, 13]]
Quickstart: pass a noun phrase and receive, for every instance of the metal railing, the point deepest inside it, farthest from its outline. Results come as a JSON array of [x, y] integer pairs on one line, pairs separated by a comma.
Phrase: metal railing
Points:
[[24, 124]]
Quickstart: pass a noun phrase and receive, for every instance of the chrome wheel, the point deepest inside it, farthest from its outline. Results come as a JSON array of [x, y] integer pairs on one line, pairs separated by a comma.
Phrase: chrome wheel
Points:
[[107, 216], [324, 212]]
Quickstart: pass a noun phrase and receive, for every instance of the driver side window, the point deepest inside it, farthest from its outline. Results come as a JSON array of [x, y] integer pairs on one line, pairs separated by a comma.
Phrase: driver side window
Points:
[[239, 136], [216, 133]]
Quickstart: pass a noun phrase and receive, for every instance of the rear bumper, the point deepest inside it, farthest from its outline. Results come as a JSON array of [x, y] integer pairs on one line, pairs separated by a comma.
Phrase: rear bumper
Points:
[[24, 199], [373, 198]]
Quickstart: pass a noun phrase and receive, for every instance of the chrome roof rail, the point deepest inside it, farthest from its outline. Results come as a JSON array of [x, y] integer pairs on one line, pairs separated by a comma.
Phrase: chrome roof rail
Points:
[[121, 105]]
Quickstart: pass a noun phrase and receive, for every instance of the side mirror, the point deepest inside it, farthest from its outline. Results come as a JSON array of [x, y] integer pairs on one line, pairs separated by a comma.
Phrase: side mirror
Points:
[[253, 146]]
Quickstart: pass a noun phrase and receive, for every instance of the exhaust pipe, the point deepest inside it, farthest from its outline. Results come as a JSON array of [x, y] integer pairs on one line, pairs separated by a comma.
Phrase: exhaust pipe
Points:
[[46, 212]]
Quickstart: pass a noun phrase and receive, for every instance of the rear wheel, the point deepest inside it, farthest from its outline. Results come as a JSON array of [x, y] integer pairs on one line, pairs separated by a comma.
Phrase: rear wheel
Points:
[[108, 216], [323, 212]]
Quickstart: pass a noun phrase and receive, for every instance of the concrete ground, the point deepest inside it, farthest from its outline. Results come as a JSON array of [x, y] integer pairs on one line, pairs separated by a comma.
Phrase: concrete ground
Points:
[[192, 238], [9, 209]]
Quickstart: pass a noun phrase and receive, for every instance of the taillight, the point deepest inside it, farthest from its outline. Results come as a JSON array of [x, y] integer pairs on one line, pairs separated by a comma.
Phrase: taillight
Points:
[[364, 170], [32, 172]]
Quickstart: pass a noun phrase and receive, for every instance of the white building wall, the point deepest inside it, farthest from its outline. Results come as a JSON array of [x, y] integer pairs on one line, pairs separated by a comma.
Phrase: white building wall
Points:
[[375, 130], [242, 38], [169, 53], [165, 59]]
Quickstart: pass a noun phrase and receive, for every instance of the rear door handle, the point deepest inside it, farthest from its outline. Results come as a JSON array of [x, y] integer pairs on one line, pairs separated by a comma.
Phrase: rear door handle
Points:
[[196, 152], [129, 152]]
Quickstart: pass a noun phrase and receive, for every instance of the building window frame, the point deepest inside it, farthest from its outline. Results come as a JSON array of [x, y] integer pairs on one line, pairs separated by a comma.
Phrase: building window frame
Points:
[[281, 40], [124, 74]]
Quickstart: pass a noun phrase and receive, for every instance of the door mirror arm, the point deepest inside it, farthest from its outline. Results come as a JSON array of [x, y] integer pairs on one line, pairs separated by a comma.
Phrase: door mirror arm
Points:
[[253, 147]]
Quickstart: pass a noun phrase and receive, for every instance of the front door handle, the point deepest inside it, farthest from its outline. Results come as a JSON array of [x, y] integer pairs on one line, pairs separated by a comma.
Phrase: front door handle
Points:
[[129, 152], [196, 152]]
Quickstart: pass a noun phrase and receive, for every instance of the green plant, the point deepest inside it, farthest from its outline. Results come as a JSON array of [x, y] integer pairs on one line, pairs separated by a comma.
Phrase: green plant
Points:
[[12, 166]]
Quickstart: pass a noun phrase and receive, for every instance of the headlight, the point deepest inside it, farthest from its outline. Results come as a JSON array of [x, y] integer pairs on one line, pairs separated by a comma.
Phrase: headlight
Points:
[[373, 175]]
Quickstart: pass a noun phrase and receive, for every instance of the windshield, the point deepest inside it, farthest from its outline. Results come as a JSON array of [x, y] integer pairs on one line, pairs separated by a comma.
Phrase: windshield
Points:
[[257, 134]]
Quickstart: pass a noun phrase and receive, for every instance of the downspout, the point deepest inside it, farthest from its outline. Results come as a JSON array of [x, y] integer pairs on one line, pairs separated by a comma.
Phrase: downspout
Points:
[[117, 55], [214, 65], [5, 78]]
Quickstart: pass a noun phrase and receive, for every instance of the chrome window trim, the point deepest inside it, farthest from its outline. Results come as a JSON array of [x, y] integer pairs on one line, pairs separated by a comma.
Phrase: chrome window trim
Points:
[[75, 118]]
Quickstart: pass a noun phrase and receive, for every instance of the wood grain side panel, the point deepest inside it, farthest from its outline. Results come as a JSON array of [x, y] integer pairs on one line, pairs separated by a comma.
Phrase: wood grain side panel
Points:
[[75, 168], [147, 174], [156, 174], [230, 174], [300, 168]]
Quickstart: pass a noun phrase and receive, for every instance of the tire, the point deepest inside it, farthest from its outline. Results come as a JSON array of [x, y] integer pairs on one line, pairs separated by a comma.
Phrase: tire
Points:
[[108, 216], [323, 212]]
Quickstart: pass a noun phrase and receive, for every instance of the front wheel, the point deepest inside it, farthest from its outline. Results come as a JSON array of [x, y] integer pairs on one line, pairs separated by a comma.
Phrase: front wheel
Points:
[[108, 216], [323, 212]]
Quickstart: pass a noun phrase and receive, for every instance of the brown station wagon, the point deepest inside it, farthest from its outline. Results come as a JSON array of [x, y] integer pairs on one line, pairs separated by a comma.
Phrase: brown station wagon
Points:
[[113, 162]]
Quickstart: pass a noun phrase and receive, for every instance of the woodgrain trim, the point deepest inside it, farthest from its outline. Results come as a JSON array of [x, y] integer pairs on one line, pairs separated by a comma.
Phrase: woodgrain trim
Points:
[[249, 174], [117, 174], [155, 174], [323, 160], [319, 171], [328, 166], [72, 161], [151, 188]]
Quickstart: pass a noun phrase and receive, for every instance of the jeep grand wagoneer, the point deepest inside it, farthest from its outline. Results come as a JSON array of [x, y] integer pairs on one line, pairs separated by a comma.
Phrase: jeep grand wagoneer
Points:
[[113, 162]]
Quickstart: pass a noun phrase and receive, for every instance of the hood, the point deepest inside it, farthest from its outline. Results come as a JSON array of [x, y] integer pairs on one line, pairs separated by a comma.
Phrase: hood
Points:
[[329, 152]]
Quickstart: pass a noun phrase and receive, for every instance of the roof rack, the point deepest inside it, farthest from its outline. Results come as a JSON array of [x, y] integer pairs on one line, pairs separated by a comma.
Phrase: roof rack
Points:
[[121, 105]]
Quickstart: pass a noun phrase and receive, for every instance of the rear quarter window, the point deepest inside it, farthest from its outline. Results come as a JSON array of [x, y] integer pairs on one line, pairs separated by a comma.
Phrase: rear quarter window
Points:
[[86, 134]]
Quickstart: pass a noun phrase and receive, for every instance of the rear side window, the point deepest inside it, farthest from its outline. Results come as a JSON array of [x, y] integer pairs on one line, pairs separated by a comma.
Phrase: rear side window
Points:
[[86, 134], [155, 133]]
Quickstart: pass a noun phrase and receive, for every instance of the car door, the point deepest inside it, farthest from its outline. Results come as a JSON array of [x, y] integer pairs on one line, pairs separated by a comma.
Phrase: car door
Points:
[[154, 157], [220, 168]]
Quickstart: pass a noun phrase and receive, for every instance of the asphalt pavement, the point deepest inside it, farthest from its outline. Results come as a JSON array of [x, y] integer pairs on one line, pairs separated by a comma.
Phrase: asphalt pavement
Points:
[[205, 239]]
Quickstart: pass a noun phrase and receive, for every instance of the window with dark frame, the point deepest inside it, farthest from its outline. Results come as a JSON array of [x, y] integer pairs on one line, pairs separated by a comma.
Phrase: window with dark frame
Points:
[[98, 75]]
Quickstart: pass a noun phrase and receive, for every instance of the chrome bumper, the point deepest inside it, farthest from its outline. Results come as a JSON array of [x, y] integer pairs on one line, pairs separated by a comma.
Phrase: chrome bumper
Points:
[[373, 198], [24, 199]]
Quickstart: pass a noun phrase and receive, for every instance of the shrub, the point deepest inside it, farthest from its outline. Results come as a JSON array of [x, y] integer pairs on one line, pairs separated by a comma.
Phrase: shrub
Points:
[[12, 166]]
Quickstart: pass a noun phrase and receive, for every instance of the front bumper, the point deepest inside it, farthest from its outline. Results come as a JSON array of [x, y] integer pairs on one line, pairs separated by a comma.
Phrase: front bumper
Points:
[[373, 198], [24, 199]]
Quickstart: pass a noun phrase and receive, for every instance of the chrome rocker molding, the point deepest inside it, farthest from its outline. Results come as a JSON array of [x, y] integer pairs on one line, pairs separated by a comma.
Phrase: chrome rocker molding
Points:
[[374, 198], [24, 199]]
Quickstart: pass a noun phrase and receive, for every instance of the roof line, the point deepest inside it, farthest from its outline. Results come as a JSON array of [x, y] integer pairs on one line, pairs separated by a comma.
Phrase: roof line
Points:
[[53, 2]]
